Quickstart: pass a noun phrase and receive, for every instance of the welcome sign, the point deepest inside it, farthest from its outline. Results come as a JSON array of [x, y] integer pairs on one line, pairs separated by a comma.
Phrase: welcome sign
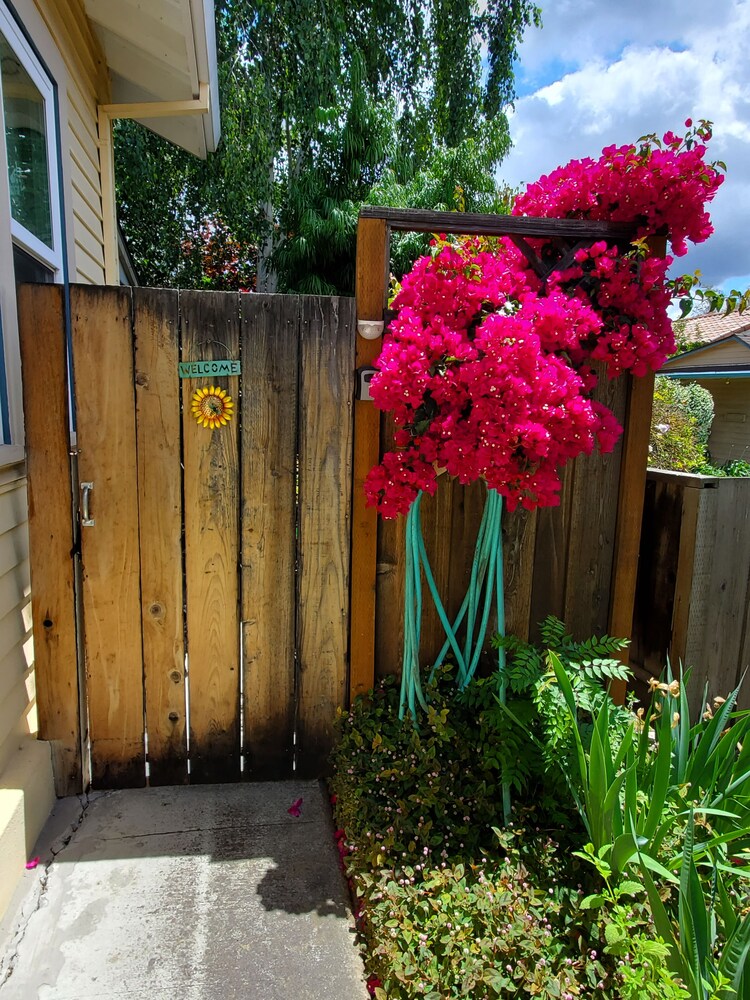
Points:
[[200, 369]]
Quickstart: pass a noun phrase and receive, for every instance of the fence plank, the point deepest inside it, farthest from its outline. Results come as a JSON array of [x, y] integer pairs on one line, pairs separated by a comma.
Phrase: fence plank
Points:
[[157, 389], [270, 364], [519, 545], [45, 402], [592, 525], [210, 331], [463, 521], [551, 554], [685, 533], [325, 441], [436, 519], [743, 667], [390, 582], [654, 605], [102, 343], [726, 606]]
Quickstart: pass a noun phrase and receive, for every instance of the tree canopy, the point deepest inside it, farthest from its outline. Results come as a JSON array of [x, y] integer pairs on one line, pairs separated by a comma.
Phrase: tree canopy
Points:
[[326, 104]]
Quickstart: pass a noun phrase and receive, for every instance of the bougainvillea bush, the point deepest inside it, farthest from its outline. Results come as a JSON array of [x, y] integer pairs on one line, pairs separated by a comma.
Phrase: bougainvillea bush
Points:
[[489, 369]]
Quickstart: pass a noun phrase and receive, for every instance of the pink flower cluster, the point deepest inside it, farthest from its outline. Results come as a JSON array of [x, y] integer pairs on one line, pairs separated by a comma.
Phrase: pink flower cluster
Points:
[[663, 185], [631, 298], [487, 369]]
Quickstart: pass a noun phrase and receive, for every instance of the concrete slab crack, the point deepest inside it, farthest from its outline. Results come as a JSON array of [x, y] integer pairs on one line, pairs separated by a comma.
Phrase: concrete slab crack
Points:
[[35, 898]]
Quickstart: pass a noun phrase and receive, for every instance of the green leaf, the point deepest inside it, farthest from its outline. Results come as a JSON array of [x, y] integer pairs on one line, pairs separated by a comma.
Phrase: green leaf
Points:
[[614, 934], [593, 902], [676, 961], [630, 888], [660, 782], [734, 956]]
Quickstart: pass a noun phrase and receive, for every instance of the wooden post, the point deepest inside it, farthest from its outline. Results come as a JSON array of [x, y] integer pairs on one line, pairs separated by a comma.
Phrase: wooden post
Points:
[[630, 513], [630, 501], [372, 283]]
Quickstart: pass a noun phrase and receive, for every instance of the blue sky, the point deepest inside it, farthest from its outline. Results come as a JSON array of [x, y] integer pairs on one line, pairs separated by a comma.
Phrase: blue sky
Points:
[[604, 71]]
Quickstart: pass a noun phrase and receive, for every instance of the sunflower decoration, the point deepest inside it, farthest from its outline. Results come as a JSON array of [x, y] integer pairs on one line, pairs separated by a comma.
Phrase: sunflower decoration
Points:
[[212, 407]]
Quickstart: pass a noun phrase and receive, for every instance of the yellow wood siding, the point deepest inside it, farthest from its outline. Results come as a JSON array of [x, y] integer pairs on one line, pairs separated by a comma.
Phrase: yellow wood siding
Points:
[[17, 702], [729, 352], [730, 431], [86, 85]]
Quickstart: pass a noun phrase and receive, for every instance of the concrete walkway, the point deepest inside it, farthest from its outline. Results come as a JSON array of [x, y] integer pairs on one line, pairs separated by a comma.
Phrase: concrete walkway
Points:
[[208, 892]]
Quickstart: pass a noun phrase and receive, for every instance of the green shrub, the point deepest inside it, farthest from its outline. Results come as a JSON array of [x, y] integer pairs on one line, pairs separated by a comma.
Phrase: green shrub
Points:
[[451, 905], [680, 425]]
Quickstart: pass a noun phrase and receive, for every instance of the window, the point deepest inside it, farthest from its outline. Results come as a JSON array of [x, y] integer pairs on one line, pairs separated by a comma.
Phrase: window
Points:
[[30, 215]]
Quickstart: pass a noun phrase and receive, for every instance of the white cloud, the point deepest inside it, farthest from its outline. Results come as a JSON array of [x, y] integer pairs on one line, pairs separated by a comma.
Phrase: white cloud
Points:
[[601, 73]]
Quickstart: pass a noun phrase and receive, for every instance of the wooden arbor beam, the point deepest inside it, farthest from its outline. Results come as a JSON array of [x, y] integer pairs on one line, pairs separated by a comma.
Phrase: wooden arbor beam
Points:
[[373, 258]]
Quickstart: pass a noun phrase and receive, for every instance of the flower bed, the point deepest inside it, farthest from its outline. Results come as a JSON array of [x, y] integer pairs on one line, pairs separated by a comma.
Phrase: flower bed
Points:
[[451, 904]]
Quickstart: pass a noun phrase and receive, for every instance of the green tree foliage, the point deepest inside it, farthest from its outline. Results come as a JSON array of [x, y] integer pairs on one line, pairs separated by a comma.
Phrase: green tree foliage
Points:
[[680, 425], [323, 103]]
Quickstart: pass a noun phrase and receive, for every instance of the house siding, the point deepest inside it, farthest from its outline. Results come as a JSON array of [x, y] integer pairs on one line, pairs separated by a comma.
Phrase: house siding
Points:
[[63, 36], [729, 352], [730, 430], [86, 84], [17, 706]]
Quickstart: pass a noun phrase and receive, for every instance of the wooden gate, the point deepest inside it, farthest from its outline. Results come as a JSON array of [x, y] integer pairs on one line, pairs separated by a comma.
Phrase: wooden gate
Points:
[[214, 570]]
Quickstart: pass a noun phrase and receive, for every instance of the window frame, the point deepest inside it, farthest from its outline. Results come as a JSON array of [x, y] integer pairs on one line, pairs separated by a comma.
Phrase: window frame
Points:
[[53, 258]]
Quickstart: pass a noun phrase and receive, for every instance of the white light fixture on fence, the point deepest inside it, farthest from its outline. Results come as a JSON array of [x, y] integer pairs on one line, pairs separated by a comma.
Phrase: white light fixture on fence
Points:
[[370, 329]]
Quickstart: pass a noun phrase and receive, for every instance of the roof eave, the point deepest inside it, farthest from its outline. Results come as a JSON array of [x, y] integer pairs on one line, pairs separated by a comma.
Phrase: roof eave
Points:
[[204, 34]]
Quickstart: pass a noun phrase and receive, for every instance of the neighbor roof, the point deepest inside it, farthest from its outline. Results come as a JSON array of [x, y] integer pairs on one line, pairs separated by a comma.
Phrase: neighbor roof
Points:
[[711, 358], [707, 329]]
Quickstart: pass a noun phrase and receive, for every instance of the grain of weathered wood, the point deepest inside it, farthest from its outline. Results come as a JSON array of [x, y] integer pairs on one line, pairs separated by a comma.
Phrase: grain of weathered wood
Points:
[[372, 282], [103, 367], [551, 554], [653, 611], [436, 517], [210, 331], [592, 525], [726, 606], [686, 533], [45, 398], [461, 529], [519, 546], [391, 555], [425, 221], [157, 391], [270, 360], [698, 640], [743, 667], [630, 511], [325, 484]]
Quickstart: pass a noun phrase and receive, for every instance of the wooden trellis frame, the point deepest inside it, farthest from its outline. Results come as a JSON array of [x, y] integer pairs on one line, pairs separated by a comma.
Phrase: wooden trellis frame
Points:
[[373, 257]]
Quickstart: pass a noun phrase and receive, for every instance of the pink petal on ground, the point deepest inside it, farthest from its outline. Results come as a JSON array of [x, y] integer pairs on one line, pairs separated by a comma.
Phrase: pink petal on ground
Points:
[[32, 864], [296, 808]]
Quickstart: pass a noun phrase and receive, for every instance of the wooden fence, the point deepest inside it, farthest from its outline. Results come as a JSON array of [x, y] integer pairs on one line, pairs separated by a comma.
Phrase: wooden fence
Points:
[[215, 571], [693, 592], [233, 591]]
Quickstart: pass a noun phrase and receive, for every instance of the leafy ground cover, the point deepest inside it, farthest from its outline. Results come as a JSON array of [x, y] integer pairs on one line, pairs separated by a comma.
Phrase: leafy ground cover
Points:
[[624, 870]]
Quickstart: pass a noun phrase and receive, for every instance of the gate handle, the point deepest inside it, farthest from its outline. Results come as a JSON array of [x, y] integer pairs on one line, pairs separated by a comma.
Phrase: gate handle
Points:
[[87, 521]]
